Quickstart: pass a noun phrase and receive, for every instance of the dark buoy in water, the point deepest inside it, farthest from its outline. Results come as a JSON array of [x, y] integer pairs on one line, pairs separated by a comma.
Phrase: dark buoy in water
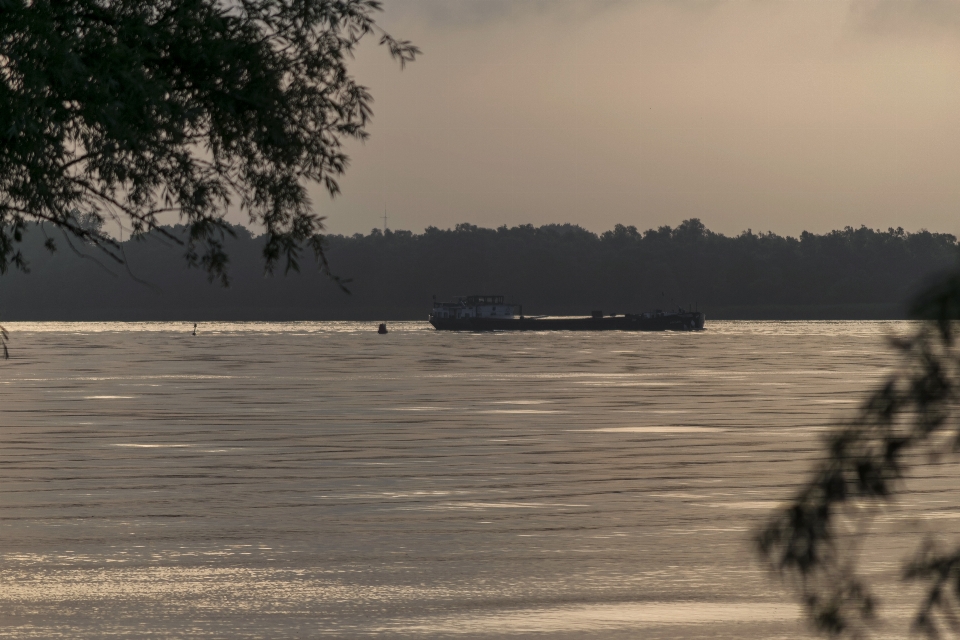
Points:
[[382, 328]]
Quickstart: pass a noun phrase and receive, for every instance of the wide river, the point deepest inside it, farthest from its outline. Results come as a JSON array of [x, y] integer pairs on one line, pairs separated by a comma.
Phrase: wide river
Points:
[[317, 479]]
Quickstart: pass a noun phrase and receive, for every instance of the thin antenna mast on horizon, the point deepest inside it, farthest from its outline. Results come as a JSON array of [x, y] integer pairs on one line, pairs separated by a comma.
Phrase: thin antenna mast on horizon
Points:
[[384, 219]]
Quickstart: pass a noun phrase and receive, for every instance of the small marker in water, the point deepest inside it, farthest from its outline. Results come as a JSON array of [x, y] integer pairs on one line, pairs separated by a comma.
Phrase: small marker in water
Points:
[[382, 328], [194, 328]]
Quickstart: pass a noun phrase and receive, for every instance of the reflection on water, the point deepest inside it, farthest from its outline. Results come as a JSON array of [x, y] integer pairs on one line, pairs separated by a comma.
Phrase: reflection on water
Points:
[[597, 618], [664, 428], [302, 479]]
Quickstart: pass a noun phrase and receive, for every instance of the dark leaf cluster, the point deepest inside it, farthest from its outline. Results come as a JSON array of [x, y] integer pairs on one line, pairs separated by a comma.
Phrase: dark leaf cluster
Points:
[[912, 416], [132, 109]]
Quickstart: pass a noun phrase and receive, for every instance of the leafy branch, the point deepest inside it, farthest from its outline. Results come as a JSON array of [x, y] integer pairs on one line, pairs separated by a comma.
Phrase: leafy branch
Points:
[[812, 541], [130, 109]]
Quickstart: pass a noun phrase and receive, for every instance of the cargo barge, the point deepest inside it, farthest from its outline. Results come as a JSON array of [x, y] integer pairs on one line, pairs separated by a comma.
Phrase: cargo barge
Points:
[[491, 313]]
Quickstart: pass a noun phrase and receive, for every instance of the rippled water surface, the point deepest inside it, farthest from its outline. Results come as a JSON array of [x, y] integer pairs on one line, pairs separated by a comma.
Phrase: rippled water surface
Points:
[[300, 480]]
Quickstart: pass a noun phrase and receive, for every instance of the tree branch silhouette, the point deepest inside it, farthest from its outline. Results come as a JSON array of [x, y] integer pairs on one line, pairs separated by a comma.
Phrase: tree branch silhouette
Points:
[[912, 414], [134, 108]]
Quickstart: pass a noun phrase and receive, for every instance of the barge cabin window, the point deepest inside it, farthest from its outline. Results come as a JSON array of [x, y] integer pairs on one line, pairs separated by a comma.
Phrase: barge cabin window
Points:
[[484, 299]]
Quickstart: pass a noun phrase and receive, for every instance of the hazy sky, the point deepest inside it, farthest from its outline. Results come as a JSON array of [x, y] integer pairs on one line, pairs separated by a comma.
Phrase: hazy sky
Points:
[[770, 115]]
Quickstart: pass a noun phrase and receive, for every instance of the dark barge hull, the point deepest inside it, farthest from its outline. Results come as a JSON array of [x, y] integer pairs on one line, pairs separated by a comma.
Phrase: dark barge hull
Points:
[[687, 321]]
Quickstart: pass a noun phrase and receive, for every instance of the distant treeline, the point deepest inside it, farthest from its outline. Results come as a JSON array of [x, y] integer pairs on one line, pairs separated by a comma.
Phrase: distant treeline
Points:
[[553, 269]]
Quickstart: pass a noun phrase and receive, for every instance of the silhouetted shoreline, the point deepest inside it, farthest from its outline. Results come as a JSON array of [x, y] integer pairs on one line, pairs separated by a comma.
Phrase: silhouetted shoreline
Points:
[[854, 274]]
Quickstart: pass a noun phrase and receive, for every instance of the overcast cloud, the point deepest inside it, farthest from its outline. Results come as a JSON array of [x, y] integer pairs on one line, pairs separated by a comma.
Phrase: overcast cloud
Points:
[[769, 115]]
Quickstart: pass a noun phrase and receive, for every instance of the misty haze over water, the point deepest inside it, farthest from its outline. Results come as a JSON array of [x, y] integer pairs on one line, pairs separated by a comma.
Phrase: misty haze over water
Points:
[[302, 479]]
